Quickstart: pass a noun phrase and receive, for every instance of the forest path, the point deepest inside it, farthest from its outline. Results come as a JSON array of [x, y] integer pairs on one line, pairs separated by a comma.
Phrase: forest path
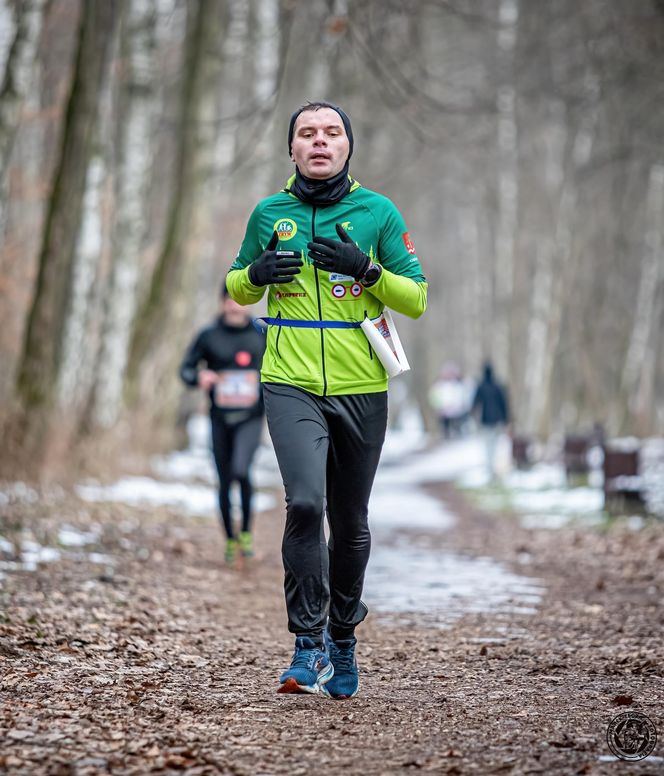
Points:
[[155, 657]]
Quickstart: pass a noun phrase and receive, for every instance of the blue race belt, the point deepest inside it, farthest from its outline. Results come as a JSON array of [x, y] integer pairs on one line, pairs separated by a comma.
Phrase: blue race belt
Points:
[[299, 324]]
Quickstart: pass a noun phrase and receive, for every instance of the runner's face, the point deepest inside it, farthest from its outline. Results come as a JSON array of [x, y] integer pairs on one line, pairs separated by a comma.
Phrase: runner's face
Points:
[[234, 314], [320, 145]]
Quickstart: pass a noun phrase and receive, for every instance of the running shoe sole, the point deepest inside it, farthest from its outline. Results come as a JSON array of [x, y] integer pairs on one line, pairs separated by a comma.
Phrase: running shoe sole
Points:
[[290, 686], [326, 692]]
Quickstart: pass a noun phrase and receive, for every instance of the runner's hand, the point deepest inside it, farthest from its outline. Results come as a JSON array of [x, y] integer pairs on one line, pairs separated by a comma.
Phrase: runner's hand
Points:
[[343, 257], [274, 266], [207, 378]]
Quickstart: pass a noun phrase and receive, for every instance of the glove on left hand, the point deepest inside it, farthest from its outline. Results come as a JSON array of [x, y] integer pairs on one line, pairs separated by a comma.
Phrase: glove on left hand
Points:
[[343, 257]]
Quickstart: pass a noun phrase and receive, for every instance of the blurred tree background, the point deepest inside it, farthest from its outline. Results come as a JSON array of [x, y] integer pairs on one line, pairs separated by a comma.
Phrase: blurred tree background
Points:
[[522, 140]]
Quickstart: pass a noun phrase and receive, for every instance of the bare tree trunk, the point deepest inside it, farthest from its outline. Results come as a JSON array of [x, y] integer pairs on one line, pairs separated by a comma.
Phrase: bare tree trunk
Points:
[[234, 82], [133, 166], [234, 48], [18, 72], [547, 272], [508, 187], [473, 291], [637, 382], [7, 31], [159, 328], [76, 374], [42, 352], [553, 270], [267, 50], [26, 188]]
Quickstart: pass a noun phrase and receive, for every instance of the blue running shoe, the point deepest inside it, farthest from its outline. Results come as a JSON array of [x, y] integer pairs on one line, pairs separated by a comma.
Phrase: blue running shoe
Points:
[[346, 681], [309, 669]]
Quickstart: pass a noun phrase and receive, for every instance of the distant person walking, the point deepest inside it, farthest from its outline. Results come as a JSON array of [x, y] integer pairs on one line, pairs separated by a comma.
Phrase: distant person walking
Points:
[[490, 406], [224, 359], [449, 398]]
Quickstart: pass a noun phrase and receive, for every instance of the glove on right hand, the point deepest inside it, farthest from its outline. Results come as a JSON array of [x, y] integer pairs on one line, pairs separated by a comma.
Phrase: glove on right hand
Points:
[[274, 266], [334, 256]]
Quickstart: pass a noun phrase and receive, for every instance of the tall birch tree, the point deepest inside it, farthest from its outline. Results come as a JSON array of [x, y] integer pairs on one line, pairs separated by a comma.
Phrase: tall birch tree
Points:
[[158, 326], [134, 161], [28, 17], [42, 351]]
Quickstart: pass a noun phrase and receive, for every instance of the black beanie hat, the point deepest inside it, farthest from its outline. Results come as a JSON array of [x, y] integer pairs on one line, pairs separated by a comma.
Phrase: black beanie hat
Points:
[[316, 106]]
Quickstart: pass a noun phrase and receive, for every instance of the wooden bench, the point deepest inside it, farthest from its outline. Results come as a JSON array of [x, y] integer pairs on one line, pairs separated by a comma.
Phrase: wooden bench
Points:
[[521, 451], [575, 454], [623, 483]]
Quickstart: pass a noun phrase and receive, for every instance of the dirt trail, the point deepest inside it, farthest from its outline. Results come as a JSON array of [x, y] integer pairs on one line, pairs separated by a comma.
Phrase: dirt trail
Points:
[[167, 661]]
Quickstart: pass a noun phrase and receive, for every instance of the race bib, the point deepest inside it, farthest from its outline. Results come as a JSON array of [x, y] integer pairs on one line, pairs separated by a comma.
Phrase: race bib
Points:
[[236, 388]]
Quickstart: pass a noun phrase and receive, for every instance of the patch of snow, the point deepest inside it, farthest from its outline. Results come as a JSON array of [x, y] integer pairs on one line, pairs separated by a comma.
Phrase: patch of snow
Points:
[[32, 554], [551, 522], [196, 463], [188, 465], [449, 461], [555, 521], [98, 557], [400, 443], [395, 508], [554, 500], [18, 491], [196, 500], [625, 444], [540, 477], [6, 546], [69, 536], [475, 478], [635, 522]]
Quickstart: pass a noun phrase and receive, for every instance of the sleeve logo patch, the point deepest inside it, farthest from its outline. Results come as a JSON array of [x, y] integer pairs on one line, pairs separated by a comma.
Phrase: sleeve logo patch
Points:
[[408, 242], [285, 228]]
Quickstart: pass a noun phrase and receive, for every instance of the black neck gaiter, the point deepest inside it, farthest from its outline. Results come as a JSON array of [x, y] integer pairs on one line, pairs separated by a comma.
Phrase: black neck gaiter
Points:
[[321, 192]]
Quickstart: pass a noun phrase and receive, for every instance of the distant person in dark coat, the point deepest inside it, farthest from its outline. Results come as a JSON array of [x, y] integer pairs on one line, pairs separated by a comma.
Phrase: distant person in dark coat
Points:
[[491, 408], [224, 360]]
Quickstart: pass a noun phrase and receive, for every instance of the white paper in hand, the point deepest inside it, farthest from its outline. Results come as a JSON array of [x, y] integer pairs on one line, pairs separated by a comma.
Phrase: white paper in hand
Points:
[[383, 338]]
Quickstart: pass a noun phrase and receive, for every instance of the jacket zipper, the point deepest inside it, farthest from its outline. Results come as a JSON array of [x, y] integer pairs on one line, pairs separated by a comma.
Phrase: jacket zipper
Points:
[[320, 307]]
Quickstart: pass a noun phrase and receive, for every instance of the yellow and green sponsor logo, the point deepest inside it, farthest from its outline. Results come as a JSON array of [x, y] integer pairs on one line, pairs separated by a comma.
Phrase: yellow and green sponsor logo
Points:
[[285, 228]]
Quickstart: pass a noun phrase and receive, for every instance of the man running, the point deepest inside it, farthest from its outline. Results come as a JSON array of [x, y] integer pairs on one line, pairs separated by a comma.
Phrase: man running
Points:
[[224, 359], [330, 252]]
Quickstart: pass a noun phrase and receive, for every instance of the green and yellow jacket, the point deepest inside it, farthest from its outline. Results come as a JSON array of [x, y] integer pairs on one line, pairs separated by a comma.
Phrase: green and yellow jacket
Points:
[[329, 361]]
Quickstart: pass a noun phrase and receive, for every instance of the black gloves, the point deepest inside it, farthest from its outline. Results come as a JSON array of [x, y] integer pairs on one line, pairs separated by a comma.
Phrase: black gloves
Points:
[[343, 257], [274, 266]]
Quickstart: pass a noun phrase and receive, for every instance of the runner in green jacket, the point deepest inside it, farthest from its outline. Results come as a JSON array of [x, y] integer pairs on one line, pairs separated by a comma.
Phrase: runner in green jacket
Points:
[[330, 253]]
